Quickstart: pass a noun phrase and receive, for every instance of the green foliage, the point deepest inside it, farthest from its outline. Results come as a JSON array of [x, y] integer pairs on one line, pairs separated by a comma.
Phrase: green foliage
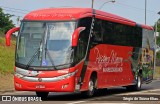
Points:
[[5, 22], [7, 56], [158, 55], [158, 38]]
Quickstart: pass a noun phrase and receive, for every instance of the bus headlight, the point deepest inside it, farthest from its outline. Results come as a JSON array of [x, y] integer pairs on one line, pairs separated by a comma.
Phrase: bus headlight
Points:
[[67, 75], [19, 75]]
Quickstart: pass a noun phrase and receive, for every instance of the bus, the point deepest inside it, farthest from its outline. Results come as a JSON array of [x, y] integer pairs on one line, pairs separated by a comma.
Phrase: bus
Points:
[[81, 50]]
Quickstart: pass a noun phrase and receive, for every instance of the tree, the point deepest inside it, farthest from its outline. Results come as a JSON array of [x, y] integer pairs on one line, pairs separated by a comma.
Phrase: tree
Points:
[[5, 21], [158, 43], [158, 30]]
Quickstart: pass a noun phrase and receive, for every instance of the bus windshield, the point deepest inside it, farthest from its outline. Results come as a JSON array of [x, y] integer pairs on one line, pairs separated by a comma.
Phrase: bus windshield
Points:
[[45, 43]]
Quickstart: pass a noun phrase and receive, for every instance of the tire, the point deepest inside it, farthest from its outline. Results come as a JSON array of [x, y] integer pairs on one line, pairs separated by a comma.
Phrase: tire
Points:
[[137, 86], [43, 95], [91, 87]]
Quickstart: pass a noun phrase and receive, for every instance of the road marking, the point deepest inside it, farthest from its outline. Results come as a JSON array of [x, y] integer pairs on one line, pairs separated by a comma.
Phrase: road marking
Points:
[[109, 103], [95, 103], [76, 102]]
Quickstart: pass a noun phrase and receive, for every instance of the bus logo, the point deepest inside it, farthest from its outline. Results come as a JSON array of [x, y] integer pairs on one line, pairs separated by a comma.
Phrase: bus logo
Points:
[[40, 79]]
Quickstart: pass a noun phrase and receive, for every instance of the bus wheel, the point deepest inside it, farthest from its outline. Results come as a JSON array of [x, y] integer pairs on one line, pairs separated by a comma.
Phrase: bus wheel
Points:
[[43, 95], [137, 86], [91, 87]]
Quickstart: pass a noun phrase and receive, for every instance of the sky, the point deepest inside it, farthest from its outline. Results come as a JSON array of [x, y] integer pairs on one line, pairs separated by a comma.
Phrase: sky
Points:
[[130, 9]]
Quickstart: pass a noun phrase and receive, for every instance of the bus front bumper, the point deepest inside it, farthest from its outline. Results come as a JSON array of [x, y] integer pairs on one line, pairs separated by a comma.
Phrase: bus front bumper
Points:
[[65, 85]]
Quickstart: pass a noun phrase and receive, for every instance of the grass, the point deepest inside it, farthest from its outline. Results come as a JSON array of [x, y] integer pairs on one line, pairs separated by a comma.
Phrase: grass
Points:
[[7, 55]]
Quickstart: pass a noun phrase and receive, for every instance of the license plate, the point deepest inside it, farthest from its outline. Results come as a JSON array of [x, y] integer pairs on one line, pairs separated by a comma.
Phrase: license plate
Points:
[[40, 86]]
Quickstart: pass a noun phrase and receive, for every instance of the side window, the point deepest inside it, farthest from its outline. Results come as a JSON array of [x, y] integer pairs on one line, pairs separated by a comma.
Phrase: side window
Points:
[[107, 32], [83, 38], [97, 32], [120, 35], [129, 35], [108, 37], [138, 36], [124, 35]]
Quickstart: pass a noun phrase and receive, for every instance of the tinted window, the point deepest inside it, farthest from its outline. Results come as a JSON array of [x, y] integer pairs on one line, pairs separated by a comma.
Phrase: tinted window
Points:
[[117, 34], [98, 32], [83, 39]]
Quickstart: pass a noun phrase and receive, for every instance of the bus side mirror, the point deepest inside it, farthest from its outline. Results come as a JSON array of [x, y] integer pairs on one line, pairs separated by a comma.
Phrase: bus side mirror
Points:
[[75, 35], [9, 33]]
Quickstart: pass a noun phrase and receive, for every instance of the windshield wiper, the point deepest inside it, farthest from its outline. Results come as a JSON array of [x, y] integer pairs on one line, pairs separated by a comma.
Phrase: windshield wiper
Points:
[[38, 52], [50, 58], [32, 58]]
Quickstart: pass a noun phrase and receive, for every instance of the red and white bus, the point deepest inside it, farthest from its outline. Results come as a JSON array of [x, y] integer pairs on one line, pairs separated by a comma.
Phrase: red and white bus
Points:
[[81, 50]]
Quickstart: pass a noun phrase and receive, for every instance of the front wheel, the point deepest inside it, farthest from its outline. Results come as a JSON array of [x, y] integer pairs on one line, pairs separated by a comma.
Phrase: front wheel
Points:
[[91, 87]]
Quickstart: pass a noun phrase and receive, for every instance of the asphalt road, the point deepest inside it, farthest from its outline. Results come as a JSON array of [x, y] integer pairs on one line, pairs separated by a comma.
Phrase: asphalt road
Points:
[[149, 94]]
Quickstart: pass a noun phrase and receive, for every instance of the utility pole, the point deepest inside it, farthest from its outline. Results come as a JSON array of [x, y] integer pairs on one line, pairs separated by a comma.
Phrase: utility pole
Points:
[[92, 4], [145, 12]]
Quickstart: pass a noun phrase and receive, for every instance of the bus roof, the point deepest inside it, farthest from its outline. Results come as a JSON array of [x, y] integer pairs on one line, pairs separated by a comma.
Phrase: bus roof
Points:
[[59, 14], [62, 14]]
